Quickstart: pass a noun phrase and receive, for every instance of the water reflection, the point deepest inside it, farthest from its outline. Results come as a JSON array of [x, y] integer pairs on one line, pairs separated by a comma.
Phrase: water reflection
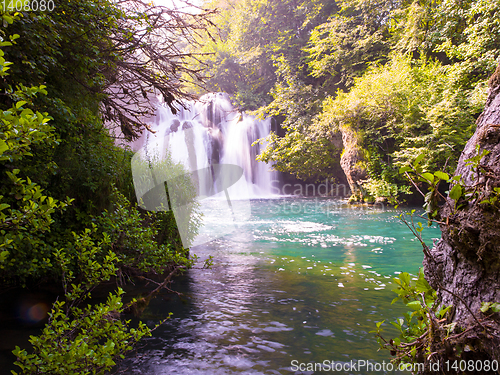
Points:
[[286, 286]]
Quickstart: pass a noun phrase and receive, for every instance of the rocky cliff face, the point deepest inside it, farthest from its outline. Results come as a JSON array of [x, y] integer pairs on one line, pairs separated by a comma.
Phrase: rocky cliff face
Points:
[[465, 263], [352, 160]]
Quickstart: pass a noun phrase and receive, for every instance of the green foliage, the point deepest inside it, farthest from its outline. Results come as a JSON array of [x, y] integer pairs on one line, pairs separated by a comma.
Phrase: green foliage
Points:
[[178, 195], [463, 35], [209, 262], [25, 209], [306, 150], [22, 230], [90, 338], [406, 77], [490, 306], [396, 113], [416, 175], [434, 332], [374, 189], [75, 340], [80, 160], [394, 110], [135, 237], [85, 340], [253, 36], [411, 27], [460, 192], [44, 235], [89, 260], [417, 324], [44, 159], [339, 49], [469, 33], [304, 156]]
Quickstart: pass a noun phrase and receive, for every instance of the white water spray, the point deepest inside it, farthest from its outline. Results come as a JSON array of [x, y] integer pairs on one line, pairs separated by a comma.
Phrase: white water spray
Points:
[[211, 131]]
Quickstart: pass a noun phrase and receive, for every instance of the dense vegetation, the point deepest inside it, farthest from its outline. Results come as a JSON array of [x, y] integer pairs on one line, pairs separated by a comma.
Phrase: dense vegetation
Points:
[[368, 85], [68, 210], [359, 87]]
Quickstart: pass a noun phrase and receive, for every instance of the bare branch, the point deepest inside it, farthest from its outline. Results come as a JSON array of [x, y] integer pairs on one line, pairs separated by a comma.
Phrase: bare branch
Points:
[[147, 59]]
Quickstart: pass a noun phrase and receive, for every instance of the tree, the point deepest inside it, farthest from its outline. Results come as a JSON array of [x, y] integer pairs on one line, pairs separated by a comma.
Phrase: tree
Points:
[[341, 48], [39, 239], [122, 53], [25, 210], [456, 305], [396, 112], [304, 151], [389, 115], [253, 36]]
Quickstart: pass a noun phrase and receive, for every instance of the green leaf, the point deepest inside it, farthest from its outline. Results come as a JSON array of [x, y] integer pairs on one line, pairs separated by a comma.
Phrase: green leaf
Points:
[[485, 306], [413, 352], [428, 176], [423, 286], [405, 278], [414, 305], [404, 169], [456, 192], [419, 159], [3, 146], [398, 326], [495, 307], [419, 227], [3, 256], [443, 311], [442, 175], [20, 104]]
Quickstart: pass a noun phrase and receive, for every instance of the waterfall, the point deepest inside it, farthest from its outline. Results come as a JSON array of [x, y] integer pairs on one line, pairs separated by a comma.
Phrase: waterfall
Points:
[[213, 143], [211, 131]]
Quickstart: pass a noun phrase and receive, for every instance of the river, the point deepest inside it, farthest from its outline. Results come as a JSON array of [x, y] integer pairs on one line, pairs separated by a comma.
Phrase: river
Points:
[[304, 280]]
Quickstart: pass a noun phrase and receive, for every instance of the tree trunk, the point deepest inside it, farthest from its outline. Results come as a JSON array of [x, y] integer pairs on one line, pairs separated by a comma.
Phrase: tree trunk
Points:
[[465, 263]]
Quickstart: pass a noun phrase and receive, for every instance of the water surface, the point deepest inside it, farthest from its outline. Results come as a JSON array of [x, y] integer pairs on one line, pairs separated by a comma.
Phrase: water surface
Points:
[[303, 280]]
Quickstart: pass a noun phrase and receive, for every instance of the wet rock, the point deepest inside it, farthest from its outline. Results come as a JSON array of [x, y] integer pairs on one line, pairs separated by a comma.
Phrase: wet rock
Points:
[[175, 125]]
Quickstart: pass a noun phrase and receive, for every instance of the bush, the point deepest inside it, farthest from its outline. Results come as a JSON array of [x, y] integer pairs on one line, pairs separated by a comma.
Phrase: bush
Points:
[[40, 240]]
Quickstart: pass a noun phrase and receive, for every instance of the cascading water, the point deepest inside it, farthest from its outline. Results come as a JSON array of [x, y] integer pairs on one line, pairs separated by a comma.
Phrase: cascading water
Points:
[[213, 142], [211, 131]]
